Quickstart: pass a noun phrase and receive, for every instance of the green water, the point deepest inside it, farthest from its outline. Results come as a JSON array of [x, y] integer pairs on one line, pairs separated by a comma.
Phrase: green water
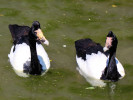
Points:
[[63, 22]]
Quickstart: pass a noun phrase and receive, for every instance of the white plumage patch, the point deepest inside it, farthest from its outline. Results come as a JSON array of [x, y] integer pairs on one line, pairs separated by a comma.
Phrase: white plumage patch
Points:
[[120, 68], [93, 67], [22, 54], [43, 57], [19, 57], [94, 64]]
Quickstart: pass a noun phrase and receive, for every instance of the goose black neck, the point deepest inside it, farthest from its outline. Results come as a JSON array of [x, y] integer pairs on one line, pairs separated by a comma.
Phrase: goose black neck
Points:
[[112, 55], [111, 72], [35, 67], [111, 59]]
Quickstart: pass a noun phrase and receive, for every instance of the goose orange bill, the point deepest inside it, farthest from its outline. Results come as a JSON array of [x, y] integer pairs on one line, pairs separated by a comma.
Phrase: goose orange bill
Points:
[[108, 43], [41, 37]]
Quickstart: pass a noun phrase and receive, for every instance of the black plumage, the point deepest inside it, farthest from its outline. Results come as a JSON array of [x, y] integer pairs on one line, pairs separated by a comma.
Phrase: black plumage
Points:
[[87, 46]]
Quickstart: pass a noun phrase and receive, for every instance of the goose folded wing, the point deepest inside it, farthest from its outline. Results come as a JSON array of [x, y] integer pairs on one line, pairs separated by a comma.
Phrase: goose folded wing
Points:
[[87, 46], [18, 31]]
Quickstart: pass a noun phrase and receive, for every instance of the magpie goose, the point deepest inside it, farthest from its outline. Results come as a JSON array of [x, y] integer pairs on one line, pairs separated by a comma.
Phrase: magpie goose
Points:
[[27, 55], [97, 63]]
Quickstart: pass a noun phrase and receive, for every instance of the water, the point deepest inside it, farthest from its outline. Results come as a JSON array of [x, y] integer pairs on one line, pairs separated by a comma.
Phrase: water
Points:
[[63, 22]]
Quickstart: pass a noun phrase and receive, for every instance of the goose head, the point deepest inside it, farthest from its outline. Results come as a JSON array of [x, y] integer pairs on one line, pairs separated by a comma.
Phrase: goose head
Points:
[[37, 33], [111, 42]]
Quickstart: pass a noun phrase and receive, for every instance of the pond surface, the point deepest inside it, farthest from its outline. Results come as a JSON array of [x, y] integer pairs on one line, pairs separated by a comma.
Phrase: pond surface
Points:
[[63, 22]]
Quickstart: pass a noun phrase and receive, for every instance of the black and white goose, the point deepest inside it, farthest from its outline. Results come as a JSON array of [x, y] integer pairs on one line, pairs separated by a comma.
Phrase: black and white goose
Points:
[[27, 55], [98, 64]]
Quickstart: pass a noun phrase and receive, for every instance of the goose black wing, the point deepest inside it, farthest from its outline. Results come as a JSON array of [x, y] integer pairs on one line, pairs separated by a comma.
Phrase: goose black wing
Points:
[[87, 46], [18, 31]]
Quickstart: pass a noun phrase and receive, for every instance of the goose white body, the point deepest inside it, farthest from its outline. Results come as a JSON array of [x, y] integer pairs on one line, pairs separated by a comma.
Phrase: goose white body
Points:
[[93, 67], [97, 63], [22, 55]]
